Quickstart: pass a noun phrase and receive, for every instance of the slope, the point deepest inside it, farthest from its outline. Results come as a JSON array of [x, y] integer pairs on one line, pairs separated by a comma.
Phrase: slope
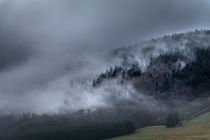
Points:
[[197, 128]]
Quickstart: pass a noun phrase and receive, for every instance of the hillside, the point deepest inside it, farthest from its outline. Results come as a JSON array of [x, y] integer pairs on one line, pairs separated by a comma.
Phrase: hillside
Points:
[[146, 83], [167, 68], [197, 128], [104, 69]]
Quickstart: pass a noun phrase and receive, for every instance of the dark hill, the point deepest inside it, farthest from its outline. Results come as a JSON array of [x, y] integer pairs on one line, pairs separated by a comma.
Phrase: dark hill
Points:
[[176, 66]]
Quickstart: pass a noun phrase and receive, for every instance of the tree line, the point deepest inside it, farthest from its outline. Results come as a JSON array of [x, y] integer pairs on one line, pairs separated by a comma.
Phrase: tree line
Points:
[[60, 127]]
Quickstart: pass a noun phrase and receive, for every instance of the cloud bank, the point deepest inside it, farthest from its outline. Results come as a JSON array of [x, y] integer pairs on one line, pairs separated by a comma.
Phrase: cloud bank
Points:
[[45, 45]]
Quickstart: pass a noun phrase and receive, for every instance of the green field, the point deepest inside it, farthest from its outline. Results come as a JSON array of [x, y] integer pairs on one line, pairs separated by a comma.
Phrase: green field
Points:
[[196, 129]]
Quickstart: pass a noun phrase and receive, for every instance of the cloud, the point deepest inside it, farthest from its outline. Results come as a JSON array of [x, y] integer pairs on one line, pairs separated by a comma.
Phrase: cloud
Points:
[[42, 41]]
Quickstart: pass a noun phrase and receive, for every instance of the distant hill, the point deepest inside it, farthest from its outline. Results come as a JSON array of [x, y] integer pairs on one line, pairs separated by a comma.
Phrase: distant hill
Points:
[[147, 82], [170, 67], [184, 43]]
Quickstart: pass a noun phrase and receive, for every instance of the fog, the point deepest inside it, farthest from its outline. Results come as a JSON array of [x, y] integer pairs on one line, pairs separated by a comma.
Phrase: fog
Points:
[[50, 50]]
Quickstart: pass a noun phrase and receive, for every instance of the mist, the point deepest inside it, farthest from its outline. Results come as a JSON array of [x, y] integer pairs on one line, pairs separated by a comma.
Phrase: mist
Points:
[[51, 50]]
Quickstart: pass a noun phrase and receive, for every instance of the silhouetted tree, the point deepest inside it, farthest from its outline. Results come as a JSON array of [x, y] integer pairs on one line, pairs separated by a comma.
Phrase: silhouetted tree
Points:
[[172, 120]]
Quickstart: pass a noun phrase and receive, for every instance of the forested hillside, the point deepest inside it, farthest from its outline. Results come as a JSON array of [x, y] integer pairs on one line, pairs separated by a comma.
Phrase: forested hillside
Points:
[[182, 72], [157, 77]]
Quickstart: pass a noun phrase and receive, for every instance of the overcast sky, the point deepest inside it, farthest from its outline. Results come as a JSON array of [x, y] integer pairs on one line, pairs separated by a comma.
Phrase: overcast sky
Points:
[[42, 41]]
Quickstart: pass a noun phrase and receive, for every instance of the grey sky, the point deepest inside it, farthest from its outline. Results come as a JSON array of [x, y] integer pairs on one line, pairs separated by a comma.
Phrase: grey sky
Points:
[[43, 40]]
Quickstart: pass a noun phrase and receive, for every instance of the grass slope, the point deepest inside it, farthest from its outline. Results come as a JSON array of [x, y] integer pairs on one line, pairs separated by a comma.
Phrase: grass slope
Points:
[[196, 129]]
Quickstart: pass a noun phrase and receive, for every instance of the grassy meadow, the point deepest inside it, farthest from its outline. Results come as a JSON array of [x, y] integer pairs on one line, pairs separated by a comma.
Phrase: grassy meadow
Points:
[[195, 129]]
